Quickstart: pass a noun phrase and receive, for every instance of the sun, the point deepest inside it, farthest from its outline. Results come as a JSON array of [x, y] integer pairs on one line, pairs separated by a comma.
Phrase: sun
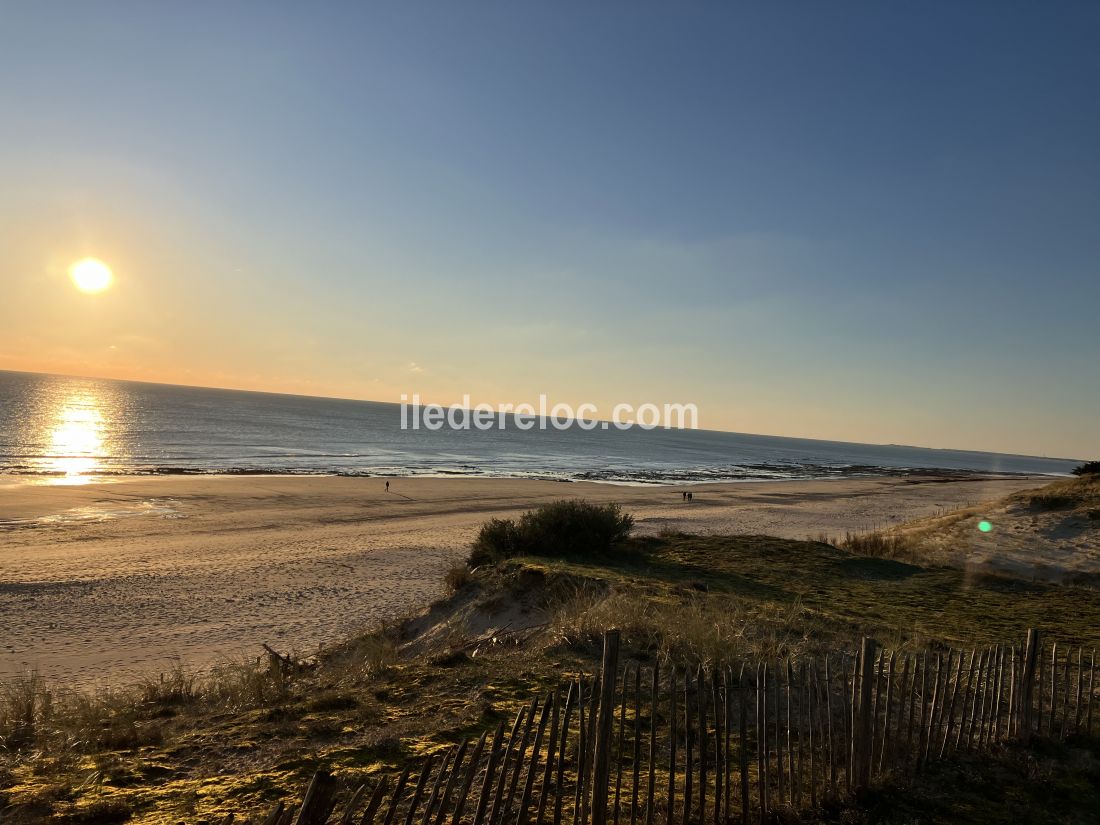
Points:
[[91, 275]]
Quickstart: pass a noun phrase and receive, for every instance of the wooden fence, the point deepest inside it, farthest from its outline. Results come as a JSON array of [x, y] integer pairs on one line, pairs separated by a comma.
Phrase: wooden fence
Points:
[[640, 746]]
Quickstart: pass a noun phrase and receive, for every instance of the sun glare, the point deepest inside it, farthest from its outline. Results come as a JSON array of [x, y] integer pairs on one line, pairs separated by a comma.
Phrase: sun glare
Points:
[[91, 275]]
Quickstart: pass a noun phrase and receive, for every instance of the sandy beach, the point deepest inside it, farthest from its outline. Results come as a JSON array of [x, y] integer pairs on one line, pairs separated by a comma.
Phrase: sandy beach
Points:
[[104, 581]]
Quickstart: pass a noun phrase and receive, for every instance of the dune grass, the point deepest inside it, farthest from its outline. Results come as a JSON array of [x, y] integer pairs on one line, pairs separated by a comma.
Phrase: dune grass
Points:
[[197, 746]]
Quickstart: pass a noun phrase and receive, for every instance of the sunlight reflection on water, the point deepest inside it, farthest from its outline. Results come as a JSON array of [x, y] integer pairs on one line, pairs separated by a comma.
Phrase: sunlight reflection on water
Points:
[[76, 425]]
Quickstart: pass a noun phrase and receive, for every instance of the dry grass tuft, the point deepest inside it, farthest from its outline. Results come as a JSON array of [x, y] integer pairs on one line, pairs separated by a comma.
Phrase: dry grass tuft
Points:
[[883, 545], [456, 578], [693, 628]]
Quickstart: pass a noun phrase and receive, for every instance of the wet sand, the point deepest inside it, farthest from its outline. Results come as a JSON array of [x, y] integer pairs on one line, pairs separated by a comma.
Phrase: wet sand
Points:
[[104, 581]]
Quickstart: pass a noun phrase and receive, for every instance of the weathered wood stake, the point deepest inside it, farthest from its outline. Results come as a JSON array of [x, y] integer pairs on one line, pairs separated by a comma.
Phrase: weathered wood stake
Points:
[[601, 773]]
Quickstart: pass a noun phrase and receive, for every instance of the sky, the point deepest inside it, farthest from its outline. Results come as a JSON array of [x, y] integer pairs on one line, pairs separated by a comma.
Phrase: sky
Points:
[[866, 222]]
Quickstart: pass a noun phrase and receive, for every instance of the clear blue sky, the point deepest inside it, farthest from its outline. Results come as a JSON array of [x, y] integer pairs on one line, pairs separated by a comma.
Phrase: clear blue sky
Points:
[[873, 222]]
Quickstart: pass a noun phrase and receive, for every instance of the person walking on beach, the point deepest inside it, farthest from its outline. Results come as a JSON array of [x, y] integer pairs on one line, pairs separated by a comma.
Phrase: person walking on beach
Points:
[[689, 497], [684, 495], [387, 486]]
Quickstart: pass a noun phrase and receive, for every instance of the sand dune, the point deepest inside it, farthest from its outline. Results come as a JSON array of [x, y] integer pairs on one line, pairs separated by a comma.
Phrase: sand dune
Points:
[[107, 580]]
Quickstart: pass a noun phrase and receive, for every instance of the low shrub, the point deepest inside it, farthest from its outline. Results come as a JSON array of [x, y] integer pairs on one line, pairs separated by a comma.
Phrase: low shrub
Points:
[[562, 528], [1089, 468], [497, 539]]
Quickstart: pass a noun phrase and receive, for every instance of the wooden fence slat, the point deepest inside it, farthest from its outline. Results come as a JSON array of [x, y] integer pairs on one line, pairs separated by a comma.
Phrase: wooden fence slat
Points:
[[884, 735], [994, 679], [762, 740], [945, 697], [452, 779], [701, 736], [571, 698], [433, 794], [829, 728], [375, 802], [798, 776], [925, 706], [928, 727], [998, 691], [590, 750], [917, 674], [1080, 690], [952, 705], [395, 799], [532, 769], [471, 773], [1053, 689], [418, 793], [966, 719], [813, 740], [501, 814], [982, 678], [551, 752], [793, 790], [853, 730], [670, 814], [975, 699], [353, 805], [1010, 727], [601, 772], [777, 705], [862, 734], [689, 750], [496, 753], [321, 790], [636, 757], [619, 749], [494, 810], [991, 696], [276, 814], [1065, 696], [727, 725], [582, 750], [716, 706], [1040, 696], [1032, 654], [846, 697], [876, 704], [903, 693], [743, 745], [1092, 687], [651, 786]]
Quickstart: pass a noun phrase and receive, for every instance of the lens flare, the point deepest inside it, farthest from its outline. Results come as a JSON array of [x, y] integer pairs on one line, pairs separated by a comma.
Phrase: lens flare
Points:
[[985, 526]]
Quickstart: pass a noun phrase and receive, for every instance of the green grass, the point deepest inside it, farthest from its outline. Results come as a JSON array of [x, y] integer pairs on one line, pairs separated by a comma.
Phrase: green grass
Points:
[[841, 596]]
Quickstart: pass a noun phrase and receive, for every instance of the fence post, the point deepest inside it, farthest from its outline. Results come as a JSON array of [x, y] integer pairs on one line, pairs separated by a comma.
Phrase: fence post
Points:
[[315, 803], [601, 772], [1027, 683], [865, 687]]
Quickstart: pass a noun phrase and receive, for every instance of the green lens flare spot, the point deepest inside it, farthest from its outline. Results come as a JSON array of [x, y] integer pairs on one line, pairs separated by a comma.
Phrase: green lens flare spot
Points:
[[984, 526]]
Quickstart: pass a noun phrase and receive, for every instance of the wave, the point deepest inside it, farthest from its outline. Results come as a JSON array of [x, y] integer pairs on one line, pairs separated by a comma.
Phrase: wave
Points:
[[780, 471]]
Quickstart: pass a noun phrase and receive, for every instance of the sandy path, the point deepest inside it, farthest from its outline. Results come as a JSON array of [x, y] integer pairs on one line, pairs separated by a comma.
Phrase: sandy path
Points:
[[106, 580]]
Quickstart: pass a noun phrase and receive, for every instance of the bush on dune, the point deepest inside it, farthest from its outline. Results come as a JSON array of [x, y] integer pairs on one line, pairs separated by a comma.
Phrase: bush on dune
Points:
[[562, 528], [1089, 468]]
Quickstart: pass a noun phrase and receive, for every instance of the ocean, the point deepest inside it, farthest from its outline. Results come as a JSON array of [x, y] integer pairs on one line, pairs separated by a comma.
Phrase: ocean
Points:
[[79, 428]]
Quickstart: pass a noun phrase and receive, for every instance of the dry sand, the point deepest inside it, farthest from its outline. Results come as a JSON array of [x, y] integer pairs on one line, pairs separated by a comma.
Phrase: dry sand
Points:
[[104, 581]]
